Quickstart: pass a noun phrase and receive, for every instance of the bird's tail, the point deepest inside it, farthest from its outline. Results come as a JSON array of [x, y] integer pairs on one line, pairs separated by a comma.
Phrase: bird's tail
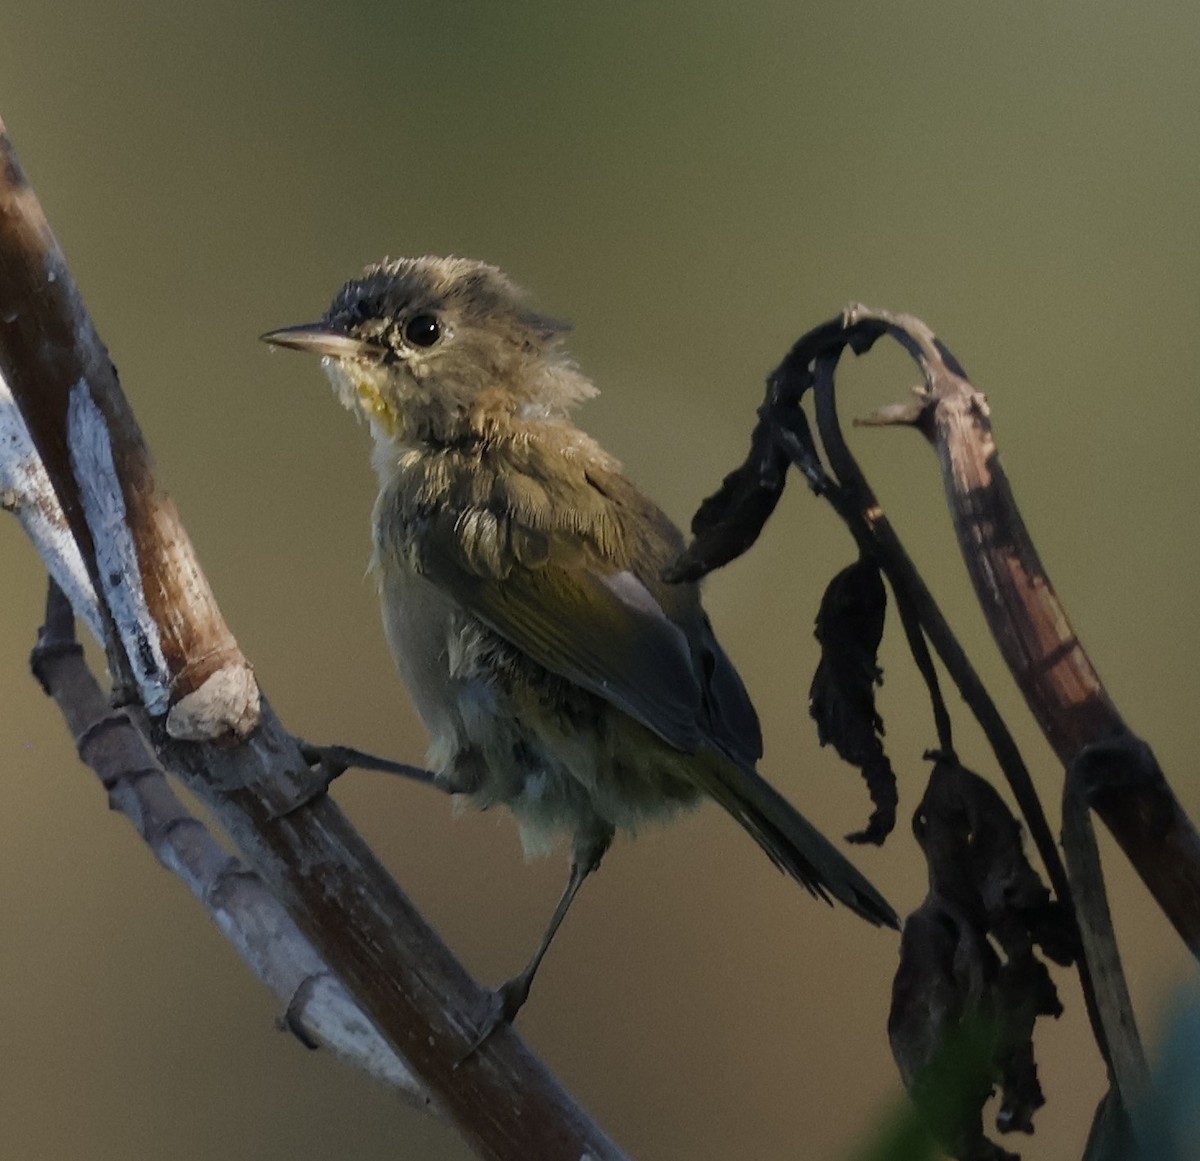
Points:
[[790, 840]]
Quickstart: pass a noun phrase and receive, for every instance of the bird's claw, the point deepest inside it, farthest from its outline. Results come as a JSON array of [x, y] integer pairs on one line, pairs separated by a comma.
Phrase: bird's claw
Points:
[[326, 762], [503, 1005]]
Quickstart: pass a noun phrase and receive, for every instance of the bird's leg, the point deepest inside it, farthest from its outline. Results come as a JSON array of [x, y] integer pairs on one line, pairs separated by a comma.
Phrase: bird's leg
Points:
[[510, 997], [330, 762], [464, 775], [515, 992]]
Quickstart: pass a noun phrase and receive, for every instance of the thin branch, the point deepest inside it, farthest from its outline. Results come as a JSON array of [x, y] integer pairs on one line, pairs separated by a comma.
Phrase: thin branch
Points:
[[903, 574], [1026, 617], [1131, 1075], [858, 506], [170, 645], [26, 492], [906, 578], [1034, 633], [173, 646], [319, 1010], [1061, 687]]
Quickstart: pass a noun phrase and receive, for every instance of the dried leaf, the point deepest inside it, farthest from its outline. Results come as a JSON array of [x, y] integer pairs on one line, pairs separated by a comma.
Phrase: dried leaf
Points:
[[970, 986], [841, 699], [729, 521]]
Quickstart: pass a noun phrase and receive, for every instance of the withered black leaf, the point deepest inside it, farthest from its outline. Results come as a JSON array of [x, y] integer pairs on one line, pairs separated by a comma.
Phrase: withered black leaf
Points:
[[841, 699], [729, 521], [970, 985]]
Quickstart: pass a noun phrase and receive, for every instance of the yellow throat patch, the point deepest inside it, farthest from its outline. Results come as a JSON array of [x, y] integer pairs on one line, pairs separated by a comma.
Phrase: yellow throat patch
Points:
[[374, 406]]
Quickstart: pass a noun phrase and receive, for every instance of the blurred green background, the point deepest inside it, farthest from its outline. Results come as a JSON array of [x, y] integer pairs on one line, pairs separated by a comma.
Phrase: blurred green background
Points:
[[693, 187]]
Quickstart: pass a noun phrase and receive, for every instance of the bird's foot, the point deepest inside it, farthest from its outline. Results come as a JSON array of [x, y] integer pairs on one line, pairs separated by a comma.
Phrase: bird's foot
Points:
[[324, 764], [503, 1005], [327, 763]]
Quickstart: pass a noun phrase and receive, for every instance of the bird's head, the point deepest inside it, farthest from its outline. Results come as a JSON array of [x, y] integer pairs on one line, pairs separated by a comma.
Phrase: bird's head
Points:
[[431, 349]]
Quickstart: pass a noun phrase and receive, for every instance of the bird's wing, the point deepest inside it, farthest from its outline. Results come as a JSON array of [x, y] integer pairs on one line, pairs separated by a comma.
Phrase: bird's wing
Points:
[[730, 721], [727, 715], [596, 625]]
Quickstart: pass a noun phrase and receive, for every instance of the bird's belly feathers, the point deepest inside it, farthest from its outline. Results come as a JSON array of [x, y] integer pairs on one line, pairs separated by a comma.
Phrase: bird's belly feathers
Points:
[[504, 730]]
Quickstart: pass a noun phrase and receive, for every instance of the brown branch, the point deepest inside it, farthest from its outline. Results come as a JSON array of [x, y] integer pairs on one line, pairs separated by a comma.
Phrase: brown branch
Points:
[[26, 492], [1035, 636], [1108, 1010], [127, 529], [1107, 768], [173, 649], [1125, 1057], [319, 1010], [1115, 771], [861, 507]]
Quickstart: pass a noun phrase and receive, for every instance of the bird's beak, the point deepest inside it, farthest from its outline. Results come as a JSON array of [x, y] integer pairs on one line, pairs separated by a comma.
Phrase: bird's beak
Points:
[[317, 339]]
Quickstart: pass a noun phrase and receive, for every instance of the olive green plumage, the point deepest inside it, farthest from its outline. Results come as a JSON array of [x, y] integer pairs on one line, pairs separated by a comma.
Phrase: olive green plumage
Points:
[[520, 577]]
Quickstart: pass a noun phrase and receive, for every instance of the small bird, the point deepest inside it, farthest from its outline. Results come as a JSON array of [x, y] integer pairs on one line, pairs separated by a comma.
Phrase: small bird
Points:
[[520, 575]]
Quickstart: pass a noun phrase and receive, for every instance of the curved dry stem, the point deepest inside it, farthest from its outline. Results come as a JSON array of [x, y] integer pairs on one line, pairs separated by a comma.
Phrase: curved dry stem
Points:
[[1034, 633], [812, 363], [906, 579]]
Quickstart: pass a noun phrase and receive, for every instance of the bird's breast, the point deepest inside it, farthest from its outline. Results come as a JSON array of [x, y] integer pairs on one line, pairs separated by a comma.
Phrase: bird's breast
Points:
[[420, 622]]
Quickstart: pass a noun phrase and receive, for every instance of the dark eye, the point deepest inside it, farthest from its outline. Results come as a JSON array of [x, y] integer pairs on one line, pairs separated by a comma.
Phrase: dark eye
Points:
[[422, 330]]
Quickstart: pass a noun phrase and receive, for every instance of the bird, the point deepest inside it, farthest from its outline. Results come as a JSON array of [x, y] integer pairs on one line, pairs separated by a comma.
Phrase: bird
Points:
[[521, 582]]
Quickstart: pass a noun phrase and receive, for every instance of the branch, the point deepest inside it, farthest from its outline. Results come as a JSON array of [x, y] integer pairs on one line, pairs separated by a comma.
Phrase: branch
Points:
[[1107, 768], [1034, 633], [319, 1010], [170, 641], [195, 699], [26, 492]]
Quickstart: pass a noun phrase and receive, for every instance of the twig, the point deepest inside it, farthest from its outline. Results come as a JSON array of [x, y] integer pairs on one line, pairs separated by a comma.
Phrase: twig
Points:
[[1063, 691], [1131, 1075], [1034, 633], [898, 566], [1027, 620], [858, 506], [905, 578], [318, 1009], [26, 492]]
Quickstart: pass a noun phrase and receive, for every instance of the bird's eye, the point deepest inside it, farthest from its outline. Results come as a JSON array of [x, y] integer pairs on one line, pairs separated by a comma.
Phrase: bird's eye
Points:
[[422, 330]]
